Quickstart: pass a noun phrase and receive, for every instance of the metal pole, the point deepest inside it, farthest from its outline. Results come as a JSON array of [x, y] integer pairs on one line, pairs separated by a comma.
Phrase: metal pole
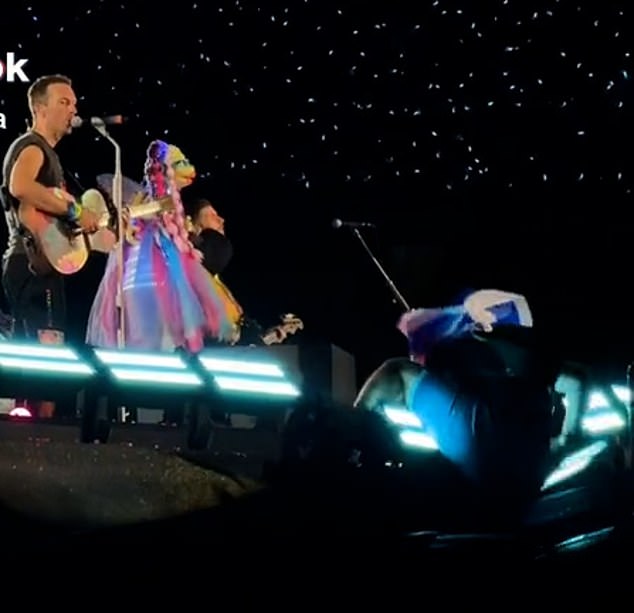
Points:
[[117, 197], [397, 295]]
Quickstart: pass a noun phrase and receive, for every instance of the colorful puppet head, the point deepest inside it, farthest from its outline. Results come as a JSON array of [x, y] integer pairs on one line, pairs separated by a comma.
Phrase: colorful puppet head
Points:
[[160, 155], [167, 170], [184, 170]]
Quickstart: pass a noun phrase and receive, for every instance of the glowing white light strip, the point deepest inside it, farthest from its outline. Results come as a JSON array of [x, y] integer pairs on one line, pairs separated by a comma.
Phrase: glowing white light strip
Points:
[[622, 392], [279, 388], [597, 423], [402, 417], [46, 366], [38, 351], [112, 358], [153, 376], [241, 367], [573, 464], [598, 400], [415, 438]]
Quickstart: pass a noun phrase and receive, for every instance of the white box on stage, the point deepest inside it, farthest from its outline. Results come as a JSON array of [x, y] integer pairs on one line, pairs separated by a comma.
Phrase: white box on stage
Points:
[[6, 405]]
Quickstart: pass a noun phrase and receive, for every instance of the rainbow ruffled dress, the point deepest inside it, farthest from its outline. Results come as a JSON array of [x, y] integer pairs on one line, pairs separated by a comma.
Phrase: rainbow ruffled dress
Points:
[[169, 298]]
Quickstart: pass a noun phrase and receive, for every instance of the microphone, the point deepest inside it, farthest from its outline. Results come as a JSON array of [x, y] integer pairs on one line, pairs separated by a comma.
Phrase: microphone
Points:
[[338, 223], [111, 120]]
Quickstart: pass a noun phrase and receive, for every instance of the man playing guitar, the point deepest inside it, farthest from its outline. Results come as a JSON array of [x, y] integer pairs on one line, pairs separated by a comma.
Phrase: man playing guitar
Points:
[[33, 190], [207, 231]]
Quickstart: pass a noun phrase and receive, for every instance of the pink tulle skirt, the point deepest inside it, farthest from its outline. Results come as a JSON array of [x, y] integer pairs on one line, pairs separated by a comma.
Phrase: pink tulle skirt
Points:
[[169, 299]]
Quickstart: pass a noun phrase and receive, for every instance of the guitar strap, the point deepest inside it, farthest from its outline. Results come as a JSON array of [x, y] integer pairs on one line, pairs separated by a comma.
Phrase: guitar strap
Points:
[[38, 263], [10, 212]]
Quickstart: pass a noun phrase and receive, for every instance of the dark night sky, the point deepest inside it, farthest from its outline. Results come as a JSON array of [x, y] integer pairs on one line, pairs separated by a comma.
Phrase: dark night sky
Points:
[[489, 141]]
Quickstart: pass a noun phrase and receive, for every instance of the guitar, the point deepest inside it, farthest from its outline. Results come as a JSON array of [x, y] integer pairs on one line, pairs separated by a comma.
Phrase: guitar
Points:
[[278, 334], [62, 246]]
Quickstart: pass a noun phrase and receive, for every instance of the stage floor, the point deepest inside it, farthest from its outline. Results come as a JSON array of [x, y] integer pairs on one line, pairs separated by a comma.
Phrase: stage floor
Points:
[[142, 473], [143, 489]]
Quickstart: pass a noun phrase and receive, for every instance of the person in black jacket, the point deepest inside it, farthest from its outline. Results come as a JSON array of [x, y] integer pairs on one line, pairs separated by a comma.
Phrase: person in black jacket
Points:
[[208, 235]]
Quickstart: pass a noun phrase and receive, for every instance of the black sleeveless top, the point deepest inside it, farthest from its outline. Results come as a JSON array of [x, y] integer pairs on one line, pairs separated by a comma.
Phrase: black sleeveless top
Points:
[[51, 174]]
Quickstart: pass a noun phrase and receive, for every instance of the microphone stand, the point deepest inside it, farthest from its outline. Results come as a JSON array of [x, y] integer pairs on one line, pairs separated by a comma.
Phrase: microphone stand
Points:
[[398, 297], [117, 197]]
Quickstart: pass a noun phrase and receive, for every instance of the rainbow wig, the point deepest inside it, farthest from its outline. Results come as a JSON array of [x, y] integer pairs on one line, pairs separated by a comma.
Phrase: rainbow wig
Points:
[[159, 182]]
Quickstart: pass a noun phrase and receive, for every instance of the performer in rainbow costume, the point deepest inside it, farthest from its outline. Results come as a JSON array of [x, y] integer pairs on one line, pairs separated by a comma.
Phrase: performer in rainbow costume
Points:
[[170, 301]]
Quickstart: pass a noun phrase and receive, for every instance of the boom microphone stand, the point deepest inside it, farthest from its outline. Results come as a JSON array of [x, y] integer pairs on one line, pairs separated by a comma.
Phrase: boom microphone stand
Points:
[[117, 197], [398, 297]]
